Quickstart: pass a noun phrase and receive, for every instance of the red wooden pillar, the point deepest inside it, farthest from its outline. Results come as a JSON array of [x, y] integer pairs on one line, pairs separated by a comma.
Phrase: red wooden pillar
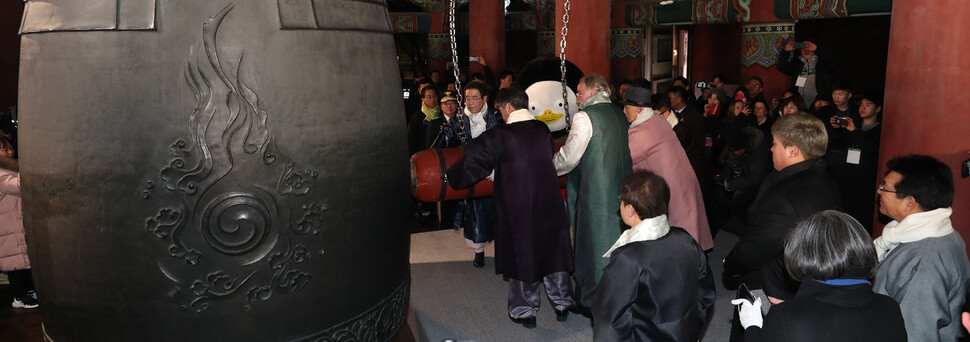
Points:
[[486, 33], [588, 41], [926, 70]]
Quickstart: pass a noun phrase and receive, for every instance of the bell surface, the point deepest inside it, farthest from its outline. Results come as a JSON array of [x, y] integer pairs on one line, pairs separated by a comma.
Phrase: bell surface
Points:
[[214, 170]]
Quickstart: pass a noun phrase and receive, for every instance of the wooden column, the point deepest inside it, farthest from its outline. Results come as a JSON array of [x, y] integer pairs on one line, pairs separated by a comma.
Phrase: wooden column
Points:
[[926, 78], [588, 41], [486, 34]]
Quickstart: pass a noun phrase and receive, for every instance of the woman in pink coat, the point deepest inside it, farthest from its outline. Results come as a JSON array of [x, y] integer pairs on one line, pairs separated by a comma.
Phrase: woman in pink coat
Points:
[[13, 245], [654, 147]]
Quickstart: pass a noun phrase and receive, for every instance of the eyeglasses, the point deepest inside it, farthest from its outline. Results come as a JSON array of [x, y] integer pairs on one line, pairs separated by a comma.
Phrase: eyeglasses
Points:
[[882, 188], [473, 98]]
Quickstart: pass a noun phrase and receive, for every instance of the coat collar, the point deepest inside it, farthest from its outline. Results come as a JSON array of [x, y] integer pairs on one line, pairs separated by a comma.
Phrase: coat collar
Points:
[[647, 230], [801, 166], [839, 295], [599, 97], [519, 116]]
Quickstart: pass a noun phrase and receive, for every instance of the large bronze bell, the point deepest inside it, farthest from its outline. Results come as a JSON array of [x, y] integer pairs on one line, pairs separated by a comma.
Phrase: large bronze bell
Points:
[[214, 170]]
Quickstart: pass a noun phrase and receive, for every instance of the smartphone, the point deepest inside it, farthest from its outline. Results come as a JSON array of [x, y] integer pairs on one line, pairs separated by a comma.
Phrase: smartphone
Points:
[[744, 293], [750, 295], [765, 303], [473, 59], [714, 109], [701, 85], [799, 45]]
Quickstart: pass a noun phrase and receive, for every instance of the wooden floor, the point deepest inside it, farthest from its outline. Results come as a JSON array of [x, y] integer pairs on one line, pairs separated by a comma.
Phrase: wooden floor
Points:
[[18, 325]]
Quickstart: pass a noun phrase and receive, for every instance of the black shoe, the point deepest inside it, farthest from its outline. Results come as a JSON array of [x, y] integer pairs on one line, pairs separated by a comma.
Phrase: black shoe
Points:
[[479, 260], [585, 311], [562, 315], [528, 322]]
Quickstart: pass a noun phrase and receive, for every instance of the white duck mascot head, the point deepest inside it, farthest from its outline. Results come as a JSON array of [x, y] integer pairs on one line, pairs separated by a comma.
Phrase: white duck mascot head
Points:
[[546, 103], [541, 80]]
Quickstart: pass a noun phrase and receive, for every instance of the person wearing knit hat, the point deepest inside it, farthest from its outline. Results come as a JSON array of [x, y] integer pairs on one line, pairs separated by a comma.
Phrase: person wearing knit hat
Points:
[[654, 147]]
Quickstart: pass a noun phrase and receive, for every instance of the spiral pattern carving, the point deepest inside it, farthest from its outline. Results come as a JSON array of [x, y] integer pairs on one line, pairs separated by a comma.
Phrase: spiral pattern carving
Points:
[[236, 223]]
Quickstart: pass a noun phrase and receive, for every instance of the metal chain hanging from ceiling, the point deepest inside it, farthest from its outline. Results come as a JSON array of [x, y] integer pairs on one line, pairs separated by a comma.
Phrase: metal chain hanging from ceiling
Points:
[[562, 63], [460, 129]]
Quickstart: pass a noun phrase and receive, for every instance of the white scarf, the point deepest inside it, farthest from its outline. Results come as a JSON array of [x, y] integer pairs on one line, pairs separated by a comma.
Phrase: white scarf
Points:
[[644, 115], [519, 116], [915, 227], [476, 121], [647, 230]]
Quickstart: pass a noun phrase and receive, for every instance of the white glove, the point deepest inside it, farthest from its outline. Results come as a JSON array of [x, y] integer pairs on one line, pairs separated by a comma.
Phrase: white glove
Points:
[[749, 314]]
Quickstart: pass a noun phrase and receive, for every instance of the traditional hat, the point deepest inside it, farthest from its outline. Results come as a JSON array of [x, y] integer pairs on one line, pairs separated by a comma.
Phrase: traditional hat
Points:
[[636, 96]]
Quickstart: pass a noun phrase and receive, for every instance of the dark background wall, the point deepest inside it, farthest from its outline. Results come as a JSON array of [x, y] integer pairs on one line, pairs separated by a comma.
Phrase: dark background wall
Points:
[[715, 49], [10, 12], [861, 45]]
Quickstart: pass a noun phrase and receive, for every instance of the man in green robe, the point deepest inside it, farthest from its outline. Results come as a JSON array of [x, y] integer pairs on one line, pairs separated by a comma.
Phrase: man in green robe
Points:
[[596, 157]]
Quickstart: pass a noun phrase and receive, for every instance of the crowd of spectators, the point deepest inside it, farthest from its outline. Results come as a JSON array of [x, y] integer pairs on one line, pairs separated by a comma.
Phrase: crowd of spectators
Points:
[[794, 177]]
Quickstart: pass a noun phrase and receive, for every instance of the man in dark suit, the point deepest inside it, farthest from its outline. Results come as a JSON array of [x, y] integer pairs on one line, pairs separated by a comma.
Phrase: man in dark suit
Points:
[[798, 187], [532, 245], [474, 215], [690, 116]]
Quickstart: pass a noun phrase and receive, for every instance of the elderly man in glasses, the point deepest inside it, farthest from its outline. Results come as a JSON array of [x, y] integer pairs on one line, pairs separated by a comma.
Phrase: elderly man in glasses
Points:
[[922, 260]]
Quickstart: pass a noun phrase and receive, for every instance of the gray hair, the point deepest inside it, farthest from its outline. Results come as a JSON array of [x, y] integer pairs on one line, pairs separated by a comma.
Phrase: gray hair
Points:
[[596, 82]]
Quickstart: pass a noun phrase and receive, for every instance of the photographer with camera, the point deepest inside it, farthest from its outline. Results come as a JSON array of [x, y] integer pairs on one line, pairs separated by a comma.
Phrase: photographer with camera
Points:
[[838, 116], [811, 71], [857, 171], [743, 163]]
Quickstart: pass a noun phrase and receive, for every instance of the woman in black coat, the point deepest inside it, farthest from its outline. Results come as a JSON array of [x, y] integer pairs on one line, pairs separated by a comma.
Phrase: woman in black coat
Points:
[[833, 257]]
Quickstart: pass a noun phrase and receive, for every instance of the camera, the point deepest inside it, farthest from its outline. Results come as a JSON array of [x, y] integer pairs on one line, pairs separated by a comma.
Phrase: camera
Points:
[[798, 45], [841, 121], [702, 85]]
